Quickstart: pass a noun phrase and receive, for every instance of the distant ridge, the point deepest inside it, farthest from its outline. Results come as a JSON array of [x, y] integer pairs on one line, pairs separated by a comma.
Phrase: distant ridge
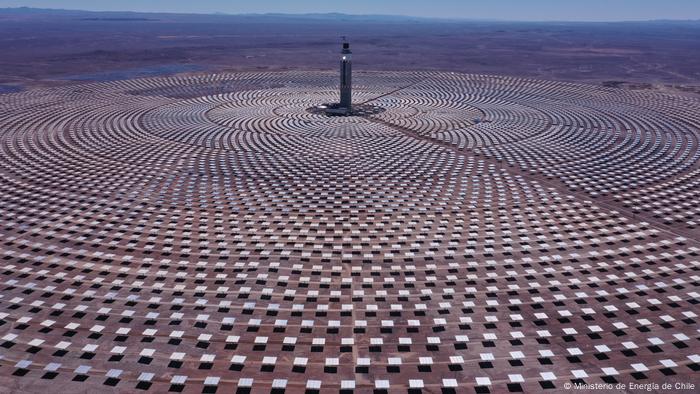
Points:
[[385, 18], [329, 15]]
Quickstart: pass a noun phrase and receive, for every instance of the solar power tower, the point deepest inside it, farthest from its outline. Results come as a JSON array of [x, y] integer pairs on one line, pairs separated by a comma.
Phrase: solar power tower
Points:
[[346, 77]]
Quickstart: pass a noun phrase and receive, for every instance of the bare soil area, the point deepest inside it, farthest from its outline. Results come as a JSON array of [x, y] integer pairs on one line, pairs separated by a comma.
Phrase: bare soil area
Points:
[[44, 48]]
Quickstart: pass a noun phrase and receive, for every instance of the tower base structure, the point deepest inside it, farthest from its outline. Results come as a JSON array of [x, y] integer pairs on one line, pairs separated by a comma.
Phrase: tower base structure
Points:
[[335, 109]]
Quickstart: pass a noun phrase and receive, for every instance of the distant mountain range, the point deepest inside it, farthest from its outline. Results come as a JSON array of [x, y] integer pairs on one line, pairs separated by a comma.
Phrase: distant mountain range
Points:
[[121, 16], [150, 15]]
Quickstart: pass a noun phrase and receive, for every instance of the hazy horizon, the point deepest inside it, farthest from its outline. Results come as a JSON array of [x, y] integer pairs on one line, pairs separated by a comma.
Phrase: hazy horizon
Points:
[[504, 10]]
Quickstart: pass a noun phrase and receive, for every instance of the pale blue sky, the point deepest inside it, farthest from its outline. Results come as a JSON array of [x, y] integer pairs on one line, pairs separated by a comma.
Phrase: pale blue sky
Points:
[[574, 10]]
